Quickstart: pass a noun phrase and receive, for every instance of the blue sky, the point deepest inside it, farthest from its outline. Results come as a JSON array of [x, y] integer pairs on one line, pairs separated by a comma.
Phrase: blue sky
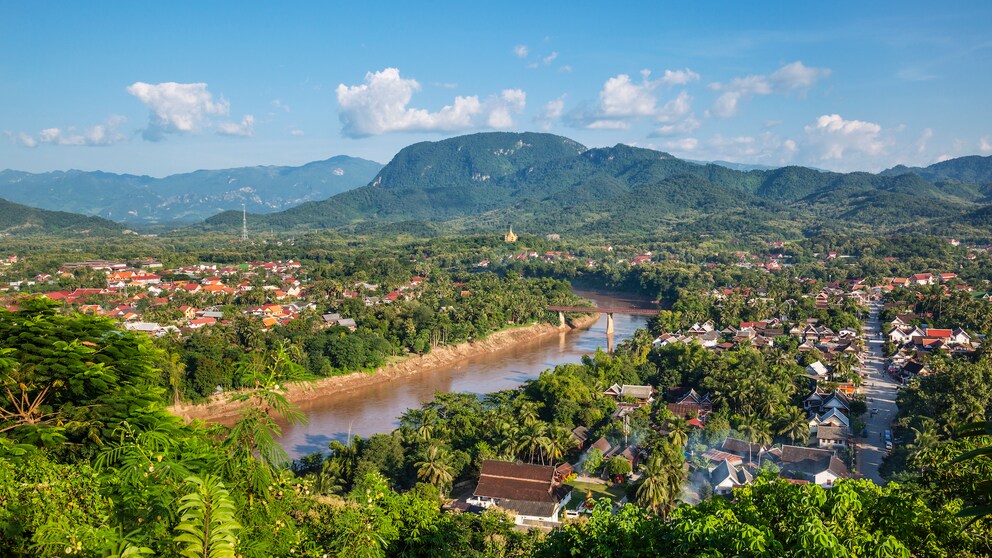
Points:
[[155, 89]]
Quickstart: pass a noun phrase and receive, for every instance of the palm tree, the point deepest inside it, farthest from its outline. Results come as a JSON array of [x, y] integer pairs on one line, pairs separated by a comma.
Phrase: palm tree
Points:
[[678, 431], [793, 424], [532, 439], [559, 442], [434, 468], [653, 492]]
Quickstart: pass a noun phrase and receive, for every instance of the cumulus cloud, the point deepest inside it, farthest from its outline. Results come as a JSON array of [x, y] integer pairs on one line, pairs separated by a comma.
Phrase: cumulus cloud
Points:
[[832, 138], [296, 132], [623, 100], [521, 51], [99, 135], [984, 146], [380, 105], [683, 145], [622, 97], [551, 112], [547, 60], [245, 128], [679, 77], [180, 108], [566, 69], [280, 105], [792, 77]]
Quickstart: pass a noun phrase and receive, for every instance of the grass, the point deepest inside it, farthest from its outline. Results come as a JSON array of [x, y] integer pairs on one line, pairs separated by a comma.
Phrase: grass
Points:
[[580, 489]]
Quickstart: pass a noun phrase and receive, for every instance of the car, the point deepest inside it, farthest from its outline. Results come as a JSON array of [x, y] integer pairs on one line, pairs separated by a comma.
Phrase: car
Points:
[[888, 446], [874, 410]]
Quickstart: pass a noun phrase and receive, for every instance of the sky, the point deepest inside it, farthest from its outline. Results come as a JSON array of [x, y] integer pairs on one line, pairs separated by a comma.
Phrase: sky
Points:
[[159, 88]]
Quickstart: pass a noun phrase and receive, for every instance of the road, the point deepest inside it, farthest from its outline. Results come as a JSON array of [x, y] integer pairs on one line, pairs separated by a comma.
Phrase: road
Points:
[[880, 391]]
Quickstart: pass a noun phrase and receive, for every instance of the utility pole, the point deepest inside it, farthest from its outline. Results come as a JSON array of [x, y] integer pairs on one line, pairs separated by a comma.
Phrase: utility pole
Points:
[[244, 224]]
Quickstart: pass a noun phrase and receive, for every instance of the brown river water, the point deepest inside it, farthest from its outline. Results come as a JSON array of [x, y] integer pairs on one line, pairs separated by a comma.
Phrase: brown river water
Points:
[[376, 408]]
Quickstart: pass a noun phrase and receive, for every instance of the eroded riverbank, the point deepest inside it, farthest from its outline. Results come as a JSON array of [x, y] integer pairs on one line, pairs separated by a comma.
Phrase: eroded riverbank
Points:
[[220, 409]]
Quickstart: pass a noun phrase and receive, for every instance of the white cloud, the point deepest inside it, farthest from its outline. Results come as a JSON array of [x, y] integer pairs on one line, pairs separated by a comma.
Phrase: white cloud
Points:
[[796, 76], [621, 97], [847, 142], [984, 146], [622, 100], [566, 69], [280, 105], [177, 107], [921, 143], [99, 135], [791, 77], [245, 128], [446, 85], [296, 132], [682, 145], [551, 112], [679, 77], [521, 51], [511, 101], [380, 105], [547, 60]]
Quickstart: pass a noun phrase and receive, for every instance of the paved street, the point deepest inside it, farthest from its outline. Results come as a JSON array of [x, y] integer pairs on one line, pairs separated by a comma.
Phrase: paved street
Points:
[[880, 392]]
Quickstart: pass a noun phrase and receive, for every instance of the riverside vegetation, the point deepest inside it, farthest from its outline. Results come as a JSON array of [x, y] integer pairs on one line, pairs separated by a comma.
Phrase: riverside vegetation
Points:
[[91, 464]]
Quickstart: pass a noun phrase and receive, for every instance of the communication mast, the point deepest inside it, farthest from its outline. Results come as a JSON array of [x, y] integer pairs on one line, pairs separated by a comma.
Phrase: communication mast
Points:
[[244, 224]]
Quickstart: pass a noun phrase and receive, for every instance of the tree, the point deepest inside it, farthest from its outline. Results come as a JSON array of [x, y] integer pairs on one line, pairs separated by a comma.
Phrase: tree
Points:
[[792, 423], [618, 467], [593, 463], [434, 467]]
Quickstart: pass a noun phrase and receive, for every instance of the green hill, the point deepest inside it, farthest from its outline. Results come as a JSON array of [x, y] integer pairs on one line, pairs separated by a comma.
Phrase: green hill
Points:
[[188, 197], [545, 183], [17, 219]]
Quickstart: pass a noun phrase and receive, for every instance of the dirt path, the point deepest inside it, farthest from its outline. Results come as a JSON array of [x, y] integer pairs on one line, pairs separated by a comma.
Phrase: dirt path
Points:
[[220, 409]]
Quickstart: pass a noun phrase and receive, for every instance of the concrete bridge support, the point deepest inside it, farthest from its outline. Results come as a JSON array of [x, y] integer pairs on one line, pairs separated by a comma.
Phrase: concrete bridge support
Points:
[[561, 319], [609, 323]]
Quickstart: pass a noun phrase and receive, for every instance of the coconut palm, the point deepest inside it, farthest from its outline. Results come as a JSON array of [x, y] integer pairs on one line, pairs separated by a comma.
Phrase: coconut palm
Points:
[[792, 424], [434, 468], [559, 442], [653, 492], [678, 431]]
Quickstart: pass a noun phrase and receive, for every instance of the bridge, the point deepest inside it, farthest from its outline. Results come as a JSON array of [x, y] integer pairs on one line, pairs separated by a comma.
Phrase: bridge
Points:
[[608, 310]]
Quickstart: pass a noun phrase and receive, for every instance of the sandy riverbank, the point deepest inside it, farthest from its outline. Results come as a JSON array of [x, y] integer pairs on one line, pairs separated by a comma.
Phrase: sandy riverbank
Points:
[[220, 409]]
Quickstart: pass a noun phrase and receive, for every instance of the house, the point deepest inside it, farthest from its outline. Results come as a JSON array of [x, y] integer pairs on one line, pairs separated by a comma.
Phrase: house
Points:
[[831, 437], [580, 435], [725, 477], [817, 370], [643, 394], [530, 492], [815, 465]]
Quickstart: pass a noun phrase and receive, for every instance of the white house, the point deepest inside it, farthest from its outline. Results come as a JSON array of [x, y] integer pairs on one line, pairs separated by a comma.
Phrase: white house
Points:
[[530, 492], [725, 477]]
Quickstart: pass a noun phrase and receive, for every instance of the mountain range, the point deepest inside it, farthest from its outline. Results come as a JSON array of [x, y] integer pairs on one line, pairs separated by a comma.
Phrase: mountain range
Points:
[[185, 198], [544, 184]]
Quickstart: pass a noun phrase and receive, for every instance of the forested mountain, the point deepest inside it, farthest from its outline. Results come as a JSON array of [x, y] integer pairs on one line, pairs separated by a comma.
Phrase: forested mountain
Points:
[[21, 219], [187, 197], [543, 183], [972, 169]]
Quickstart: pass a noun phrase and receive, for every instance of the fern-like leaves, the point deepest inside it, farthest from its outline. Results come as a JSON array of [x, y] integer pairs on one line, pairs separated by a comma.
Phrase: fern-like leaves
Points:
[[207, 527]]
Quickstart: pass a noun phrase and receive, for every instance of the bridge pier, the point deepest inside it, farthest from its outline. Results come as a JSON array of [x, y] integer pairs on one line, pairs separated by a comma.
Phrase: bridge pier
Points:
[[609, 323], [561, 319]]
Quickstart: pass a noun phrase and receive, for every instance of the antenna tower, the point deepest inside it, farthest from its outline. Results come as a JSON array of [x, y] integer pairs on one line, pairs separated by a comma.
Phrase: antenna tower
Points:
[[244, 224]]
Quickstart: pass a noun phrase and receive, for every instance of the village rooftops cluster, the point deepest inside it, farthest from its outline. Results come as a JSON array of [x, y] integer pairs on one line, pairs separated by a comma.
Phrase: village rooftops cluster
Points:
[[760, 334], [130, 292]]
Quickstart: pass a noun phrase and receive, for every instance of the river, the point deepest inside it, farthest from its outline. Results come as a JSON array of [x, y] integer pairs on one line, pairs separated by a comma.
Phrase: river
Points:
[[376, 408]]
